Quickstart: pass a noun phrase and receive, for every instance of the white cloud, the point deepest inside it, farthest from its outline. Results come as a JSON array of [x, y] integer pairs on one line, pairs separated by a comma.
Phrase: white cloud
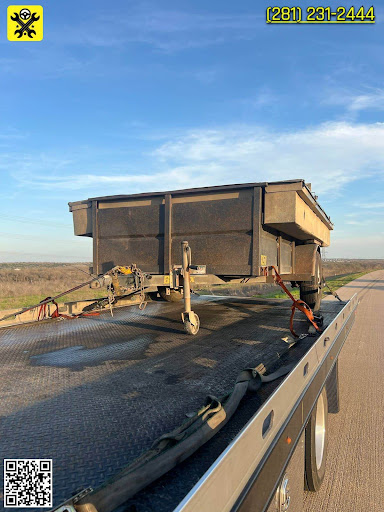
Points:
[[356, 102], [367, 101], [263, 98], [329, 156], [12, 134]]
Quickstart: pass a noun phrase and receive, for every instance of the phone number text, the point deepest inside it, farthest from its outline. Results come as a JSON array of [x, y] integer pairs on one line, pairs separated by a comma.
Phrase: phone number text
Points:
[[320, 15]]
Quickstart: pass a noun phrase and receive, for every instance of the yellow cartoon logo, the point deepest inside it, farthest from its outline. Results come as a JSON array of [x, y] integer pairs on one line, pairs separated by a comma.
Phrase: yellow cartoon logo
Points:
[[25, 23]]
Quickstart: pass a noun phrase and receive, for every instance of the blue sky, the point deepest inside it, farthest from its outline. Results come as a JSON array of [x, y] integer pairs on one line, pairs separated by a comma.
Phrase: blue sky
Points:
[[138, 96]]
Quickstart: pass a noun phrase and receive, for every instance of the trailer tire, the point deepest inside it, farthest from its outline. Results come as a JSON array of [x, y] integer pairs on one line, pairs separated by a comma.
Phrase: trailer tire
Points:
[[316, 439], [311, 291], [174, 296]]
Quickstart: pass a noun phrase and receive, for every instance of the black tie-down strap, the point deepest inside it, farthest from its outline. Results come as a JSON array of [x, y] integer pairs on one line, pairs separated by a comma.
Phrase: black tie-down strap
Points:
[[174, 447]]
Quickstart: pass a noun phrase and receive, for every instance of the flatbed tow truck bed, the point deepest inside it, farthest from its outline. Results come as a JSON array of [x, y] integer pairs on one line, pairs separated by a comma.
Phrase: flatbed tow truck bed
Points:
[[94, 393]]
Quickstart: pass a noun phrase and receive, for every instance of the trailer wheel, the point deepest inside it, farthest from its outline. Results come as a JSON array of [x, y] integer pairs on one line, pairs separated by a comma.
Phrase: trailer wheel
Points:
[[311, 291], [174, 296], [316, 438]]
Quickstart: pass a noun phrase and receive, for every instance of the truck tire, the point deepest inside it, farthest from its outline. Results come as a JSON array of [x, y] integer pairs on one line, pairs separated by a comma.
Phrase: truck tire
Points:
[[333, 390], [316, 439], [311, 291], [174, 296]]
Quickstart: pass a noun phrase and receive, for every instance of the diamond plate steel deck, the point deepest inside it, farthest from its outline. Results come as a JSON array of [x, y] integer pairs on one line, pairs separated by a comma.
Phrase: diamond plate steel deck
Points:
[[94, 393]]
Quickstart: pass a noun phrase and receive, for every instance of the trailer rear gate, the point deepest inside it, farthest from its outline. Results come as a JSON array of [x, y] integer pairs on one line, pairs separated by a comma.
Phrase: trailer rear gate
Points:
[[94, 393]]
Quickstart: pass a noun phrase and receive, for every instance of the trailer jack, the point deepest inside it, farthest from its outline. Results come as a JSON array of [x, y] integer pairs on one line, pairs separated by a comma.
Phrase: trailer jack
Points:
[[190, 320]]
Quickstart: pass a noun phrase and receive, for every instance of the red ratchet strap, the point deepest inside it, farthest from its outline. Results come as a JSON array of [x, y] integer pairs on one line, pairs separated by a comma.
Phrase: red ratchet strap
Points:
[[296, 304], [43, 310]]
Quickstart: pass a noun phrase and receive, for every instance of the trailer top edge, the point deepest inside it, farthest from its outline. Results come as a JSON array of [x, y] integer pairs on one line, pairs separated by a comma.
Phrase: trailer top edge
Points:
[[303, 189], [189, 190]]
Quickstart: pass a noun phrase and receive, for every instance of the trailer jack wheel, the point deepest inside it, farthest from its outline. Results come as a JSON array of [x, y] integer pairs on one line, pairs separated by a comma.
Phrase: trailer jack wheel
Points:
[[191, 323]]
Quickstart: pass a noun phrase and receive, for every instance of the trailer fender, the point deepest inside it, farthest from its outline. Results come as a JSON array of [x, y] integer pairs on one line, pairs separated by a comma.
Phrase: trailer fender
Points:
[[305, 259]]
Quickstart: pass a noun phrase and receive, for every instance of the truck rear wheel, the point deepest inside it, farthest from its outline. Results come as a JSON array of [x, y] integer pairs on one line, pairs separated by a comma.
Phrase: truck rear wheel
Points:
[[311, 291], [316, 438], [174, 296]]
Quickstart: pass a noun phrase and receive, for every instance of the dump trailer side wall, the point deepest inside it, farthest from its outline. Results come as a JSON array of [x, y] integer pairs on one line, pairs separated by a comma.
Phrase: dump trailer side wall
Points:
[[132, 233], [218, 227], [233, 230]]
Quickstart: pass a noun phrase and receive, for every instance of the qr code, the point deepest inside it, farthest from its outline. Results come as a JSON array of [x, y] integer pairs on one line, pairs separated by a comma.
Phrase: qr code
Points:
[[28, 483]]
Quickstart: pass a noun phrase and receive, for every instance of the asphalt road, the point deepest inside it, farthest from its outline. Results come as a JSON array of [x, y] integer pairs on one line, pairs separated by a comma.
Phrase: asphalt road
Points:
[[354, 478]]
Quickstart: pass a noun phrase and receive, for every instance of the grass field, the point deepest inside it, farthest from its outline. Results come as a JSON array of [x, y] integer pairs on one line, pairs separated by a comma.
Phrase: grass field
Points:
[[25, 284], [334, 283]]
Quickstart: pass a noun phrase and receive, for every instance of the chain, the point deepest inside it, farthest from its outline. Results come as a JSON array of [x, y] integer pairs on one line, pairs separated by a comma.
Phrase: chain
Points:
[[141, 276], [111, 297], [330, 289], [140, 284]]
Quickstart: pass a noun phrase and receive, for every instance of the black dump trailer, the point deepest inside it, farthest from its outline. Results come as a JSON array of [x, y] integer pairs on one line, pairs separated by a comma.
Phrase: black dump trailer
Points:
[[207, 236]]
